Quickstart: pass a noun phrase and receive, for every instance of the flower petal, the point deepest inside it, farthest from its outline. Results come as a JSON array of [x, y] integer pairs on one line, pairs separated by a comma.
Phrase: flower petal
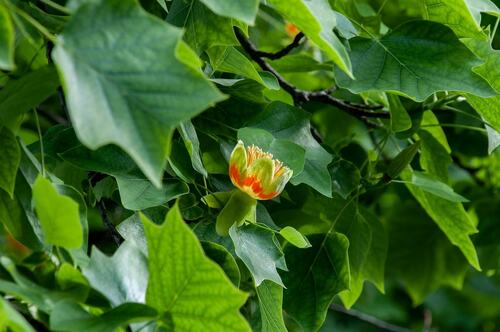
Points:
[[238, 164], [259, 178]]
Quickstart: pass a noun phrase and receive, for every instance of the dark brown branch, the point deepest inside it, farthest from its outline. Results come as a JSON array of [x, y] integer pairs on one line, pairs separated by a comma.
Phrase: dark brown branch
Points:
[[281, 53], [53, 117], [369, 319], [109, 225], [299, 96]]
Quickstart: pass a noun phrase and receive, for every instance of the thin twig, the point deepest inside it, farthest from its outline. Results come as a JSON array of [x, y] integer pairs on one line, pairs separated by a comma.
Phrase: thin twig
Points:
[[281, 53], [357, 110], [109, 225], [53, 117], [369, 319]]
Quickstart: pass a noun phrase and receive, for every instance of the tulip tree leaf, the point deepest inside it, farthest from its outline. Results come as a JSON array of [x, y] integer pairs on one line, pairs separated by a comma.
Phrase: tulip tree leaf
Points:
[[289, 123], [10, 157], [345, 177], [21, 95], [432, 185], [436, 263], [270, 297], [244, 10], [58, 215], [325, 274], [316, 19], [258, 248], [463, 16], [493, 139], [122, 277], [366, 262], [229, 59], [70, 316], [294, 237], [487, 107], [6, 39], [291, 154], [402, 160], [138, 193], [451, 217], [185, 283], [417, 59], [219, 254], [400, 120], [192, 143], [11, 320], [204, 28], [120, 87]]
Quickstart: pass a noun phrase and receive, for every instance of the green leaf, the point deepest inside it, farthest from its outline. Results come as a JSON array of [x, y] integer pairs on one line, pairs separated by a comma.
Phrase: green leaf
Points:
[[188, 133], [493, 139], [132, 231], [244, 10], [359, 234], [366, 262], [402, 160], [217, 200], [185, 283], [289, 123], [400, 120], [220, 255], [463, 16], [486, 107], [70, 279], [230, 60], [259, 249], [109, 159], [13, 217], [451, 218], [294, 237], [298, 63], [375, 262], [122, 277], [345, 176], [316, 19], [58, 215], [291, 154], [316, 275], [203, 28], [431, 184], [435, 151], [10, 157], [7, 38], [11, 320], [21, 95], [434, 264], [138, 193], [70, 316], [239, 208], [270, 297], [416, 60], [133, 96], [27, 290]]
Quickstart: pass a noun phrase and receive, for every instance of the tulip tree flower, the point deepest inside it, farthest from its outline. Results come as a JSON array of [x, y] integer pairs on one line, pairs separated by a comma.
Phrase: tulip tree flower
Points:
[[258, 177]]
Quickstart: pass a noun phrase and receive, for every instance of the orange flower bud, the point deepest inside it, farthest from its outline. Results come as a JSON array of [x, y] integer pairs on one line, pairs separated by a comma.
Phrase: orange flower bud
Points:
[[291, 29], [256, 172]]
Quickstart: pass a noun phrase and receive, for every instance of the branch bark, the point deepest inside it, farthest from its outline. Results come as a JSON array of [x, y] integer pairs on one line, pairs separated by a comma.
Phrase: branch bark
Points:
[[281, 53], [298, 95]]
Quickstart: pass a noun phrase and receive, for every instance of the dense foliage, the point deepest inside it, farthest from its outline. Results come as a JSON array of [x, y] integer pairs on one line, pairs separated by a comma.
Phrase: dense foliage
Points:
[[117, 123]]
